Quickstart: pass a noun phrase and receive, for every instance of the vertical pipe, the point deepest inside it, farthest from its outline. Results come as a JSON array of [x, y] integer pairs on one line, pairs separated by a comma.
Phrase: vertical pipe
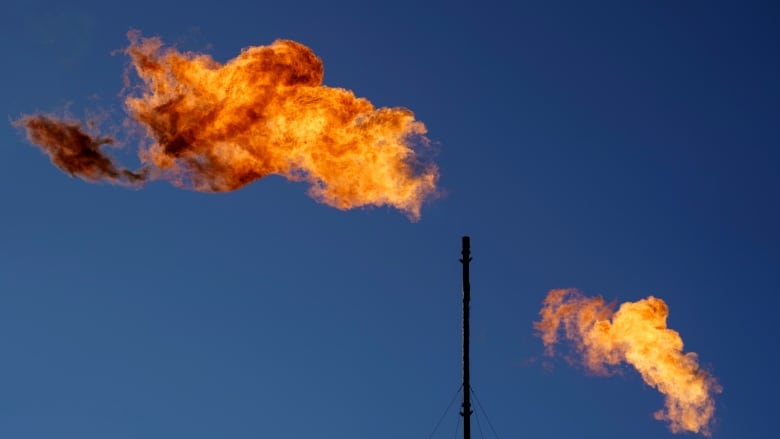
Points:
[[466, 412]]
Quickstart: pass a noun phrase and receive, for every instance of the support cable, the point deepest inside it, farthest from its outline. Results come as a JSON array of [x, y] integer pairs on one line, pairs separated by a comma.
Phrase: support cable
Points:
[[445, 412], [479, 426], [484, 413]]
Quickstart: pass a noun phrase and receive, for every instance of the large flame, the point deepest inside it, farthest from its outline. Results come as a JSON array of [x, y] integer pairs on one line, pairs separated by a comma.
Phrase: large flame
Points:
[[217, 127], [635, 334]]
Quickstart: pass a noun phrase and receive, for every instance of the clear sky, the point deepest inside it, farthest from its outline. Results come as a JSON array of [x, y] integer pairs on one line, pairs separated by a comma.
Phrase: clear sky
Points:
[[625, 150]]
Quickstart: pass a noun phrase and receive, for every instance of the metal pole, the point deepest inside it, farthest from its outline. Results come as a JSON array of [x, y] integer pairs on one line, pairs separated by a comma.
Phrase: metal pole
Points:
[[466, 413]]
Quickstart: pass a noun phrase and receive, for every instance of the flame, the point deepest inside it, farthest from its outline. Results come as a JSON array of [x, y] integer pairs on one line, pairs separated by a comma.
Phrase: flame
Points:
[[216, 127], [635, 334]]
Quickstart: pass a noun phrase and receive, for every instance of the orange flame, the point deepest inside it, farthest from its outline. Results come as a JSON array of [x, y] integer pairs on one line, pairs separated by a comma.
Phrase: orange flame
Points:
[[217, 127], [636, 334]]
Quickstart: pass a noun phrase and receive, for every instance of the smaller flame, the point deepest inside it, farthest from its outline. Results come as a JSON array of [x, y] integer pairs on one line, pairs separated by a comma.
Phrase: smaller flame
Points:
[[635, 334]]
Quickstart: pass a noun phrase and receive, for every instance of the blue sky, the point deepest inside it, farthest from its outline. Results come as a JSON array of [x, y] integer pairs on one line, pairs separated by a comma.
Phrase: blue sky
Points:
[[626, 150]]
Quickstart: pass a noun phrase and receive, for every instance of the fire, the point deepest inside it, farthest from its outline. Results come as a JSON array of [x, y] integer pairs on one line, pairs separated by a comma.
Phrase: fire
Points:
[[216, 127], [635, 334]]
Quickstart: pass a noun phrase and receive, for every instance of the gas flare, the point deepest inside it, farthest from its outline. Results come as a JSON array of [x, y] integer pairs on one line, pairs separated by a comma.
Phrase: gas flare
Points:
[[216, 127], [635, 334]]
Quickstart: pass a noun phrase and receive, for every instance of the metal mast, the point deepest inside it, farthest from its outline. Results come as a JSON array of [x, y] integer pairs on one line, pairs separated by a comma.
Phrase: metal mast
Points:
[[466, 412]]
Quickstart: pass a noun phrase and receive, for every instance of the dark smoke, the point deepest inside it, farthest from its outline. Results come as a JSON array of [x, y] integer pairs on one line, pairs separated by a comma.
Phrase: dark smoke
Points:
[[76, 152]]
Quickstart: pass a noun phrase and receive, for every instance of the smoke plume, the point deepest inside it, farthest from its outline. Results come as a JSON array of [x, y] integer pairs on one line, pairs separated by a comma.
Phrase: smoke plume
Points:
[[216, 127], [636, 334], [75, 151]]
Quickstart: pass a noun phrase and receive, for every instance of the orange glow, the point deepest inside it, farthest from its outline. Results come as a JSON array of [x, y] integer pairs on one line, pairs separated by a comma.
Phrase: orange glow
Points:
[[216, 127], [635, 334]]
